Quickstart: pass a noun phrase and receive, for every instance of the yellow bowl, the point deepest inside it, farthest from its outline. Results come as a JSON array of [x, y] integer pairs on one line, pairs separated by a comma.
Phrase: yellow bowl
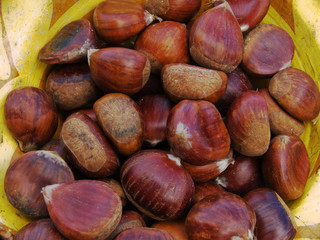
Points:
[[26, 25]]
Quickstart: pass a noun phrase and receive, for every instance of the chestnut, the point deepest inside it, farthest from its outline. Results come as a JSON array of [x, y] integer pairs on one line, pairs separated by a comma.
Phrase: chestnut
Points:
[[87, 148], [28, 174], [117, 21], [280, 121], [70, 44], [71, 86], [242, 176], [198, 83], [118, 69], [286, 166], [274, 219], [56, 145], [267, 50], [116, 186], [83, 209], [145, 234], [155, 110], [42, 229], [176, 228], [157, 184], [197, 133], [31, 117], [216, 40], [221, 216], [247, 121], [205, 189], [163, 43], [90, 113], [297, 93], [121, 120], [152, 86]]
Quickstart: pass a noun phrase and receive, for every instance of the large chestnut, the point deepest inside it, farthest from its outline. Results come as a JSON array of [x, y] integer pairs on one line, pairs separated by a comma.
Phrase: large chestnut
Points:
[[196, 132], [157, 184], [31, 117]]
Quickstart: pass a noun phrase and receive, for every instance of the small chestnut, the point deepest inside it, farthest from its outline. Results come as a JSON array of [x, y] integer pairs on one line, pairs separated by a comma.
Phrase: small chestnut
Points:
[[205, 189]]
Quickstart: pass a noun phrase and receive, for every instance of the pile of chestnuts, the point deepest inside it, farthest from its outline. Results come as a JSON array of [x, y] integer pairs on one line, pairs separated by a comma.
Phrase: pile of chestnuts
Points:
[[164, 132]]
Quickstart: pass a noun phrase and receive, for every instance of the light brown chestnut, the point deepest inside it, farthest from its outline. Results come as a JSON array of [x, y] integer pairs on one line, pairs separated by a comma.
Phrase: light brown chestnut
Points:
[[145, 234], [118, 69], [267, 50], [216, 40], [71, 86], [205, 189], [28, 174], [174, 10], [157, 184], [155, 110], [117, 21], [248, 124], [196, 132], [176, 228], [121, 120], [198, 83], [286, 166], [83, 209], [209, 171], [70, 44], [274, 219], [163, 43], [221, 216], [280, 121], [42, 229], [297, 93], [31, 117]]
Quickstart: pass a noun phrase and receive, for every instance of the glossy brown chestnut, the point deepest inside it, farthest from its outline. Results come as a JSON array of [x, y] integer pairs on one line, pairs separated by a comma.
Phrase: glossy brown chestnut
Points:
[[216, 40], [145, 234], [163, 43], [238, 83], [90, 113], [174, 10], [83, 209], [196, 132], [242, 176], [198, 83], [155, 110], [209, 171], [205, 189], [248, 124], [157, 184], [87, 148], [274, 219], [280, 121], [70, 44], [176, 228], [118, 69], [57, 146], [249, 13], [31, 117], [297, 93], [286, 166], [121, 120], [71, 86], [117, 21], [221, 216], [28, 174], [42, 229], [129, 219], [267, 50]]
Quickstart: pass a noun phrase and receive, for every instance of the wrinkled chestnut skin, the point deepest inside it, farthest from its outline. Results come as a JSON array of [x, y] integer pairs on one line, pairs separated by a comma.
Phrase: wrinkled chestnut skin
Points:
[[297, 93], [216, 40], [42, 229], [196, 132], [28, 174], [286, 166], [248, 124], [31, 117], [274, 219], [157, 184], [221, 216], [145, 234], [176, 228], [118, 69], [163, 43], [267, 50], [71, 86], [70, 44], [117, 21]]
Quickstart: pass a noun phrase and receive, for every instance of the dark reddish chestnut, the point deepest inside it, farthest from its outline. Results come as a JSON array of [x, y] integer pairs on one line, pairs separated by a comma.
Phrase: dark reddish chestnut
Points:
[[145, 234], [205, 189]]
